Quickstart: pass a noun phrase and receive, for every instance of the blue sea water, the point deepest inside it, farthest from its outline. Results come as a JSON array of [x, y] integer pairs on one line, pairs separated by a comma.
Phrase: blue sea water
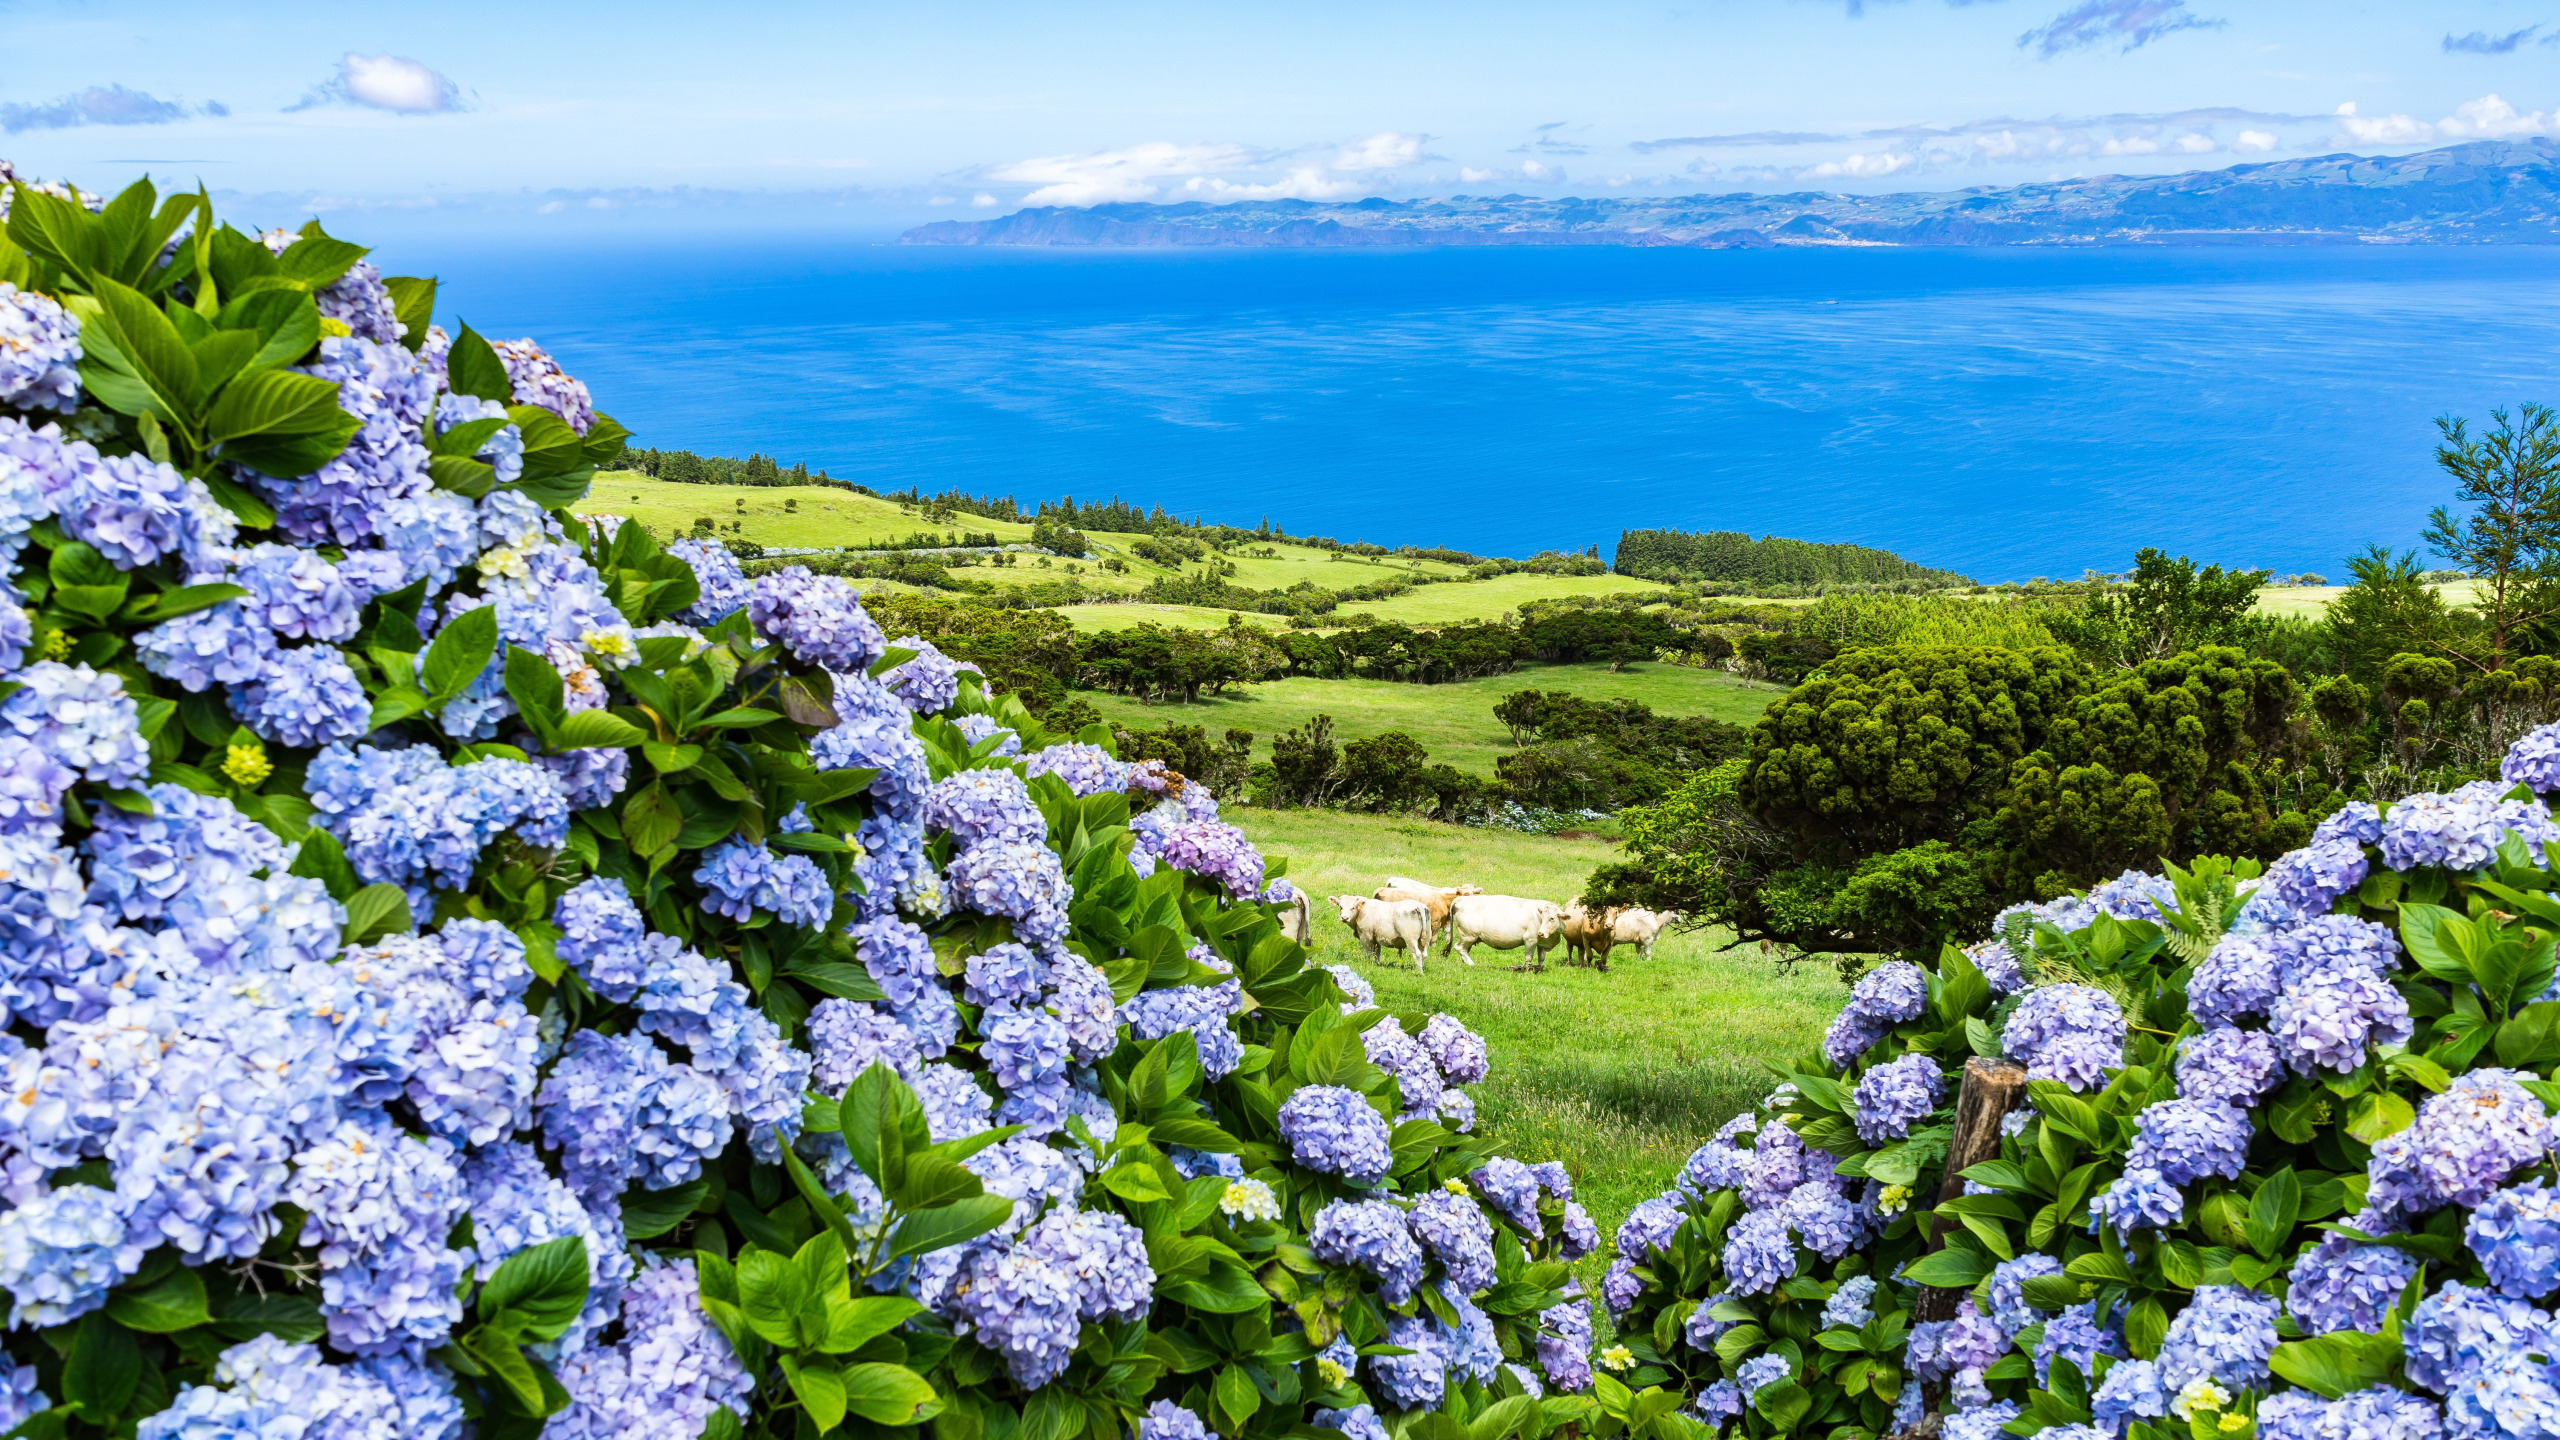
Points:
[[2007, 413]]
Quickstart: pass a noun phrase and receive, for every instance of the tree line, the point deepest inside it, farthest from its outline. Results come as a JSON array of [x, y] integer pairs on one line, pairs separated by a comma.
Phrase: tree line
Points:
[[1732, 557]]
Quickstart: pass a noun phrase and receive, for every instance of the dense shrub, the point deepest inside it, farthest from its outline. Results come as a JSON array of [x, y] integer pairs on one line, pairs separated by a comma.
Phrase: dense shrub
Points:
[[468, 968], [1730, 555], [2283, 1166]]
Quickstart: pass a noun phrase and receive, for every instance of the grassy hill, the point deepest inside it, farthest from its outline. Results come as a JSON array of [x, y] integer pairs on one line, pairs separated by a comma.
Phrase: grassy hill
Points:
[[1453, 721], [1618, 1075]]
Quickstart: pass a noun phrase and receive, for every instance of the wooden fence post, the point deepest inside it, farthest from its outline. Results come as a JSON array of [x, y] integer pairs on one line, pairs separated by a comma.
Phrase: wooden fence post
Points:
[[1991, 1089]]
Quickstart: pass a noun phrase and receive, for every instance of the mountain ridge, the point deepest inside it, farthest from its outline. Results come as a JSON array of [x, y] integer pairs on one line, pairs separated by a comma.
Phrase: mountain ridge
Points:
[[2483, 192]]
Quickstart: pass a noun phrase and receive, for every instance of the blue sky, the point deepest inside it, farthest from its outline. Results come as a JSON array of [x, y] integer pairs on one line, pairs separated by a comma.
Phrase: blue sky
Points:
[[861, 115]]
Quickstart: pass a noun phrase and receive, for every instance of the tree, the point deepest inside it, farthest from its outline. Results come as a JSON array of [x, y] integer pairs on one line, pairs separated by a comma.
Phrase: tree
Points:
[[2511, 540], [2165, 606]]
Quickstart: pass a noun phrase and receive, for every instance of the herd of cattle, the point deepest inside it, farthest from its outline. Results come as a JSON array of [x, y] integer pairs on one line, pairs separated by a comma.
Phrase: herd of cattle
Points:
[[1409, 915]]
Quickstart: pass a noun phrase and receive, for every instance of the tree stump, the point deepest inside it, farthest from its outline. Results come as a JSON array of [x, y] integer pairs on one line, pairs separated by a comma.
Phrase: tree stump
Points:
[[1991, 1089]]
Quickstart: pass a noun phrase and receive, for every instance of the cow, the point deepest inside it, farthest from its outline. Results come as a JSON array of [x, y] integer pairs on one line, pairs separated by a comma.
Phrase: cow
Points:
[[1376, 923], [1586, 933], [1404, 882], [1297, 918], [1640, 928], [1434, 903], [1505, 922]]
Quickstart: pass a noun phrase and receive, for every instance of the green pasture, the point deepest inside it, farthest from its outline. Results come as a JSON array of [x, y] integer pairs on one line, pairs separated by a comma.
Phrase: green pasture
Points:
[[1493, 599], [1617, 1074], [1453, 721], [2310, 602], [810, 515]]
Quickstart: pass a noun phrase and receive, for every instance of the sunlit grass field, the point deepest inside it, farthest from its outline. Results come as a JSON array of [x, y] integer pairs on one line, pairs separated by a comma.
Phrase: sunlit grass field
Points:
[[1618, 1074], [1492, 599], [1453, 721]]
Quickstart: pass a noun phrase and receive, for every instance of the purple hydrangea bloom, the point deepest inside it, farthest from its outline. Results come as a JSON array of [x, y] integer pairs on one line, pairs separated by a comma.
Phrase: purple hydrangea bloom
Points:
[[818, 618], [1022, 882], [2534, 760], [2070, 1033], [2132, 1391], [1850, 1307], [2240, 978], [929, 682], [1982, 1422], [1020, 1304], [2075, 1334], [537, 379], [591, 777], [296, 593], [1828, 1223], [1458, 1051], [32, 784], [1511, 1188], [2009, 1307], [1086, 769], [1105, 1256], [2331, 1020], [1776, 1167], [1371, 1235], [2378, 1413], [2310, 880], [62, 1253], [1760, 1372], [1417, 1381], [2334, 945], [1647, 1228], [1211, 849], [1722, 1401], [39, 352], [2187, 1140], [745, 877], [2462, 830], [2230, 1067], [2343, 1284], [1881, 999], [600, 937], [1168, 1421], [982, 805], [670, 1371], [976, 729], [1360, 1422], [722, 584], [2516, 1235], [1893, 1096], [2134, 895], [1334, 1130], [2465, 1144], [387, 391]]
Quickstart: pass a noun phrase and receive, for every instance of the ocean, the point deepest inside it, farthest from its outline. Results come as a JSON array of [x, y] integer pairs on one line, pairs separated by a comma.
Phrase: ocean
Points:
[[2006, 413]]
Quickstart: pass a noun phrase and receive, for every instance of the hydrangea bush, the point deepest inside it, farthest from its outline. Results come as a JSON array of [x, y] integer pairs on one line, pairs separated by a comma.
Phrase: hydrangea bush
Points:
[[468, 970], [2284, 1167]]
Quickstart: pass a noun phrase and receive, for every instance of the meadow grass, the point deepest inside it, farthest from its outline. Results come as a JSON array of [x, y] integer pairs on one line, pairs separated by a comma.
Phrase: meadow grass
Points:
[[1619, 1074], [1453, 721], [821, 515], [2311, 602], [1492, 599]]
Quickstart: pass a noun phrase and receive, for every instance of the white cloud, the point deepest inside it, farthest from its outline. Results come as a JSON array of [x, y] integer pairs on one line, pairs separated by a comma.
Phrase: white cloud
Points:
[[389, 82], [1386, 150], [2254, 142], [2487, 118], [943, 200], [1104, 176], [1859, 167], [2196, 142], [2130, 145], [1214, 171], [982, 201]]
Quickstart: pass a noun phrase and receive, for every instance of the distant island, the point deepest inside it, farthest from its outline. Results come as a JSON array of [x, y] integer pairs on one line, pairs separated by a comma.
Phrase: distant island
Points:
[[2484, 193]]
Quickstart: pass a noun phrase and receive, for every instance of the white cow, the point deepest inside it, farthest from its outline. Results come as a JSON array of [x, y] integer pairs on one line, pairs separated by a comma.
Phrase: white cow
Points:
[[1505, 922], [1298, 918], [1404, 882], [1376, 923], [1641, 928]]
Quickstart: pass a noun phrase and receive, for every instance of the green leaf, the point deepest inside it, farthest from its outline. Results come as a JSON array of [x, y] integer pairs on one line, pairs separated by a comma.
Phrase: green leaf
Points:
[[2334, 1365], [2531, 1039], [187, 600], [544, 1285], [509, 1365], [413, 303], [820, 1388], [103, 1367], [2378, 1113], [173, 1302], [2434, 936], [1949, 1269], [946, 1225], [2273, 1211], [885, 1394], [2051, 1292], [377, 910], [1783, 1403], [287, 1317], [536, 688], [279, 409], [472, 368], [142, 368], [931, 1180], [461, 652], [771, 1291], [852, 1324], [597, 730], [648, 1214], [1236, 1398], [1135, 1183], [650, 819]]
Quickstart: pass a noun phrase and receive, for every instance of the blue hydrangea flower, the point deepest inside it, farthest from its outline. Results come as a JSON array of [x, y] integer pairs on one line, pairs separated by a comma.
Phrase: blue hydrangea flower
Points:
[[2134, 895], [2459, 1329], [2462, 830], [296, 593], [221, 645], [388, 392], [1850, 1307], [1103, 1254], [2534, 760], [32, 784], [2139, 1199], [2310, 880], [503, 451], [304, 697], [2224, 1335], [2132, 1391], [1760, 1372], [1021, 882], [1020, 1304], [2516, 1235], [2070, 1033], [929, 682], [977, 729], [982, 805], [1455, 1231], [671, 1369], [61, 1254], [1371, 1235], [1168, 1421], [1759, 1252], [2186, 1140], [818, 618], [1086, 769], [1420, 1380], [537, 379], [1333, 1130], [2343, 1284], [2465, 1144], [2009, 1307], [2076, 1334], [1893, 1096], [80, 717], [1360, 1422], [39, 352], [2229, 1067], [2240, 978], [1882, 998], [716, 575]]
